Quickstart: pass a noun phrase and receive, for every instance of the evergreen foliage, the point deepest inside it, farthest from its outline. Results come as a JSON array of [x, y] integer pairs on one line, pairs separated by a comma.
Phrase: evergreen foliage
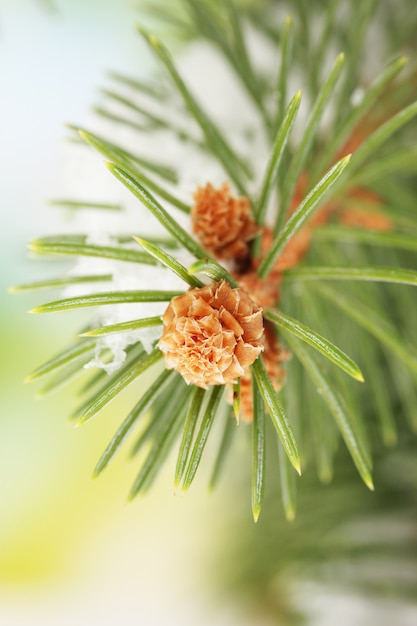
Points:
[[345, 180]]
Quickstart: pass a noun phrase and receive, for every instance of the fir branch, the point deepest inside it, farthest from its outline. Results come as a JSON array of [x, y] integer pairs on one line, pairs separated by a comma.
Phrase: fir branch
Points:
[[377, 184]]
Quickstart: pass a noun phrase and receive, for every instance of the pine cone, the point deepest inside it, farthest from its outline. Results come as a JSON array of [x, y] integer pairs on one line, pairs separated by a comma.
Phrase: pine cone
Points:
[[223, 224], [212, 334]]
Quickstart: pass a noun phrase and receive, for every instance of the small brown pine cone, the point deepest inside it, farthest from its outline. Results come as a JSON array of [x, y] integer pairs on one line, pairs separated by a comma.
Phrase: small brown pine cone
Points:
[[212, 334], [263, 292], [223, 224]]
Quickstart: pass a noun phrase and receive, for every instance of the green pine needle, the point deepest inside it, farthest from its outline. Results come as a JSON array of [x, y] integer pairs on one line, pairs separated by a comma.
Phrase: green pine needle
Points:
[[382, 134], [125, 160], [337, 408], [300, 158], [374, 274], [324, 346], [124, 157], [163, 441], [202, 435], [168, 222], [258, 452], [346, 127], [188, 432], [300, 216], [276, 413], [122, 327], [84, 204], [287, 47], [105, 298], [213, 270], [124, 377], [224, 451], [144, 404], [66, 357], [385, 239], [278, 148], [169, 261], [373, 322], [215, 140], [53, 283], [60, 245], [288, 485]]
